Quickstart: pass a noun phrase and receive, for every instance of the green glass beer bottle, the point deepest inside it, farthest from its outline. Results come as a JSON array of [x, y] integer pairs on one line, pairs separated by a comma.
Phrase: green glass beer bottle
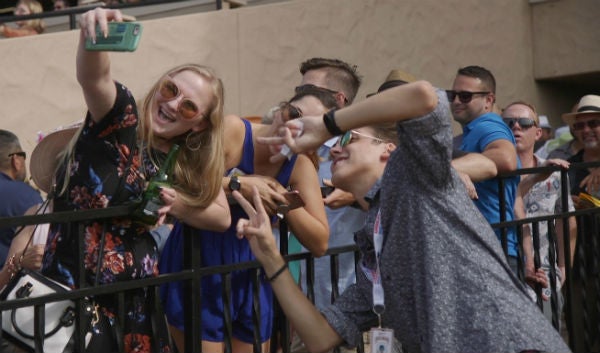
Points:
[[147, 212]]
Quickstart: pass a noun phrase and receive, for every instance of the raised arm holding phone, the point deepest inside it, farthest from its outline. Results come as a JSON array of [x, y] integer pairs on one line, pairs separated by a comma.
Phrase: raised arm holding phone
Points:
[[112, 155]]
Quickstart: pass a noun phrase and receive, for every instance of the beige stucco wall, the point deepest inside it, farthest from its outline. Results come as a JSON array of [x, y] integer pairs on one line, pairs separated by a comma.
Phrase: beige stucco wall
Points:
[[566, 51], [567, 40], [257, 50]]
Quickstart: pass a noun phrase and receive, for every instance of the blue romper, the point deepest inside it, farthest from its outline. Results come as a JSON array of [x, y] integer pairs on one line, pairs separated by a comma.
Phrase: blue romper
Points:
[[219, 249]]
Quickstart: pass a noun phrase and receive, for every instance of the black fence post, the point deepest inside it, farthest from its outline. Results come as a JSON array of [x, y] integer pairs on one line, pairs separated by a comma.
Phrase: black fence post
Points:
[[192, 259]]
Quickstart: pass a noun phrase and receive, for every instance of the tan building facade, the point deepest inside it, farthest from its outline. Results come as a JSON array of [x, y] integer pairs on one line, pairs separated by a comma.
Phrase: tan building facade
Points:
[[545, 52]]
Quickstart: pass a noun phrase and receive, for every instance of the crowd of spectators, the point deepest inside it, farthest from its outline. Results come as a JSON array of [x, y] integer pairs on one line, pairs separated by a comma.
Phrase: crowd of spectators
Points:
[[36, 26], [50, 5], [24, 27], [431, 266]]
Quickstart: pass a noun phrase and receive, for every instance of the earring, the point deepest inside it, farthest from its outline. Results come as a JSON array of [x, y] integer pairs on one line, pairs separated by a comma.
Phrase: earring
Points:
[[196, 136]]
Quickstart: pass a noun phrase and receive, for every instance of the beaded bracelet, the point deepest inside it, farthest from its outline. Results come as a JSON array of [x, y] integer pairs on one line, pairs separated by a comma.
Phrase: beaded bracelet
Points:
[[276, 274], [12, 267]]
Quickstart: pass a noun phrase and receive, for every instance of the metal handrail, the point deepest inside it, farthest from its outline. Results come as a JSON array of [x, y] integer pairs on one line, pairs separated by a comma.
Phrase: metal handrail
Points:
[[72, 12], [193, 271], [191, 275]]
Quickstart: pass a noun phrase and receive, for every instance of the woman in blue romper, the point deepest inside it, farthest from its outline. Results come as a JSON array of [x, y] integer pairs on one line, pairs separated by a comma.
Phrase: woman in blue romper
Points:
[[249, 161], [113, 153]]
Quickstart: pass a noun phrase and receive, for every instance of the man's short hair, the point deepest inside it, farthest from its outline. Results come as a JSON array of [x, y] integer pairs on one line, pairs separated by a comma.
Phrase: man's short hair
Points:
[[9, 143], [341, 75], [388, 132], [486, 77], [530, 106]]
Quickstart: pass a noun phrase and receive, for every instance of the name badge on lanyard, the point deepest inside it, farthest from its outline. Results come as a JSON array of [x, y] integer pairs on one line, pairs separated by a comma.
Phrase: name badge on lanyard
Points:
[[381, 339]]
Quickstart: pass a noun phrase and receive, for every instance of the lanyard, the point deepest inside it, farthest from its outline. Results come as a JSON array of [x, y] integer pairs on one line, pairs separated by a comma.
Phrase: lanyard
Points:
[[375, 274]]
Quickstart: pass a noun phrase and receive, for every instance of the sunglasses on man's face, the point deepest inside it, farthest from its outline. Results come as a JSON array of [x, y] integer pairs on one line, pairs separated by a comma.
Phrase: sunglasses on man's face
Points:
[[348, 137], [20, 154], [580, 125], [310, 86], [170, 91], [463, 96], [307, 86], [524, 123]]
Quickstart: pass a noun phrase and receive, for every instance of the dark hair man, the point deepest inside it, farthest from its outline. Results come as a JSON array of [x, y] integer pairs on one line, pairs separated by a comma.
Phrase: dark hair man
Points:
[[472, 100], [335, 75]]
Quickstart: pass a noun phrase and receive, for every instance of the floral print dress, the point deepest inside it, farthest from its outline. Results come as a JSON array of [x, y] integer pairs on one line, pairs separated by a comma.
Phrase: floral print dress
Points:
[[106, 169]]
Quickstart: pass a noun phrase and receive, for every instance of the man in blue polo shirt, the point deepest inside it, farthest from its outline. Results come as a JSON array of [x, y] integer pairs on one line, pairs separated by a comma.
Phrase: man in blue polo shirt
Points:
[[17, 196], [472, 100]]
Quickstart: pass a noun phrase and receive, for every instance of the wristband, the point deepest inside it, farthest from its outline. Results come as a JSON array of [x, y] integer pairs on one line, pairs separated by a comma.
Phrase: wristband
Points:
[[329, 121], [276, 274]]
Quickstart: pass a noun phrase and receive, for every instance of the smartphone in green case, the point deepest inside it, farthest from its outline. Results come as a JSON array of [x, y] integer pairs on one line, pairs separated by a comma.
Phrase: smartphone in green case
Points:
[[122, 36]]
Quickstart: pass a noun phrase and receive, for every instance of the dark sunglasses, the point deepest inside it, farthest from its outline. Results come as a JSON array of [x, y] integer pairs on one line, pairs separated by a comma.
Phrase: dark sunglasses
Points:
[[524, 123], [348, 136], [463, 96], [309, 86], [169, 91], [301, 88], [289, 111], [20, 154], [580, 125]]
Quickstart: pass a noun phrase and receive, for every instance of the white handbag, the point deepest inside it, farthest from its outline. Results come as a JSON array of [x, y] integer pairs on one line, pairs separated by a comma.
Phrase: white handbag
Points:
[[59, 316]]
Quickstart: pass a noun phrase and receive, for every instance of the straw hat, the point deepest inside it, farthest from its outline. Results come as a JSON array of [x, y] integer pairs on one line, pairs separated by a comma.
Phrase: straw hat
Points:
[[45, 155], [589, 104], [395, 78]]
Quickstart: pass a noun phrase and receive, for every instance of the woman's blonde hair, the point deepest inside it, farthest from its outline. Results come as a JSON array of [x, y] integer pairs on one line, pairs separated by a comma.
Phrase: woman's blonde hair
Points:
[[198, 170], [34, 7], [201, 163]]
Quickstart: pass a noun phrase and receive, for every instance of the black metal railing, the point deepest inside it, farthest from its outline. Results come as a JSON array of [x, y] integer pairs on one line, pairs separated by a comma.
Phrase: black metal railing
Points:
[[578, 323], [579, 279], [191, 277]]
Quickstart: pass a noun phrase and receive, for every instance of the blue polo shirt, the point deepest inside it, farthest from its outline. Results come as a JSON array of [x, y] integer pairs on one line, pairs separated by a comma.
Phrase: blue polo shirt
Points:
[[477, 135], [16, 197]]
